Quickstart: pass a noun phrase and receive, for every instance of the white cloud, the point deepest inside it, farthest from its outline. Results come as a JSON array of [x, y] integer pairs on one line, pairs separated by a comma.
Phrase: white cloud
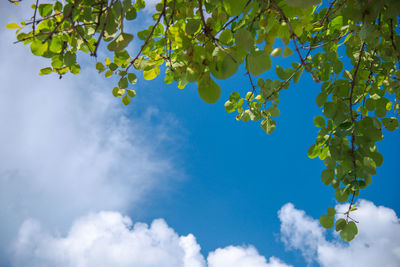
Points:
[[377, 243], [241, 257], [299, 231], [109, 239], [106, 239], [68, 146]]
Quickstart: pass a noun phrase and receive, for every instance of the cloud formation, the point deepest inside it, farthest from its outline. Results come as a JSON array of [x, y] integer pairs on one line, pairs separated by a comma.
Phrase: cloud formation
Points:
[[69, 147], [109, 239], [377, 242]]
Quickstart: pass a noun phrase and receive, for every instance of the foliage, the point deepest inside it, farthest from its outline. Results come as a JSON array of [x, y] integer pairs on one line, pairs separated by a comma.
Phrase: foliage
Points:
[[207, 40]]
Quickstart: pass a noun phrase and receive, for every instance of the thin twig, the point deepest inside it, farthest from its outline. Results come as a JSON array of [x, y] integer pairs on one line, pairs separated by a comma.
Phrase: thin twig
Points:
[[353, 155], [148, 38], [103, 28], [34, 17]]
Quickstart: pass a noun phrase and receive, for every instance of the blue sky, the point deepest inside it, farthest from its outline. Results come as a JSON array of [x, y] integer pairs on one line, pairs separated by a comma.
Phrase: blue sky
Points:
[[75, 159]]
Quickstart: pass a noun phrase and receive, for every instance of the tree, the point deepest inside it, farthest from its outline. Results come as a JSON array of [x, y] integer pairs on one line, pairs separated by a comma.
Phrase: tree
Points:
[[204, 40]]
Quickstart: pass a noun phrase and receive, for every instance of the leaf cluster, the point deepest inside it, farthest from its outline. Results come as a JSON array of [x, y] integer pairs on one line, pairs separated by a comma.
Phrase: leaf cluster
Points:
[[350, 47]]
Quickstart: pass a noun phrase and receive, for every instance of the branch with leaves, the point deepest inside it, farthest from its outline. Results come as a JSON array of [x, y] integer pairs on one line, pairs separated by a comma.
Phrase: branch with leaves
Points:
[[200, 42]]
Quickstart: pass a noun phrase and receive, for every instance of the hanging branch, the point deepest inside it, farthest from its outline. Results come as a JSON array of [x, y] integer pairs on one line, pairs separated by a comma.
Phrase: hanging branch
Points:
[[34, 18], [353, 155], [148, 37], [103, 28]]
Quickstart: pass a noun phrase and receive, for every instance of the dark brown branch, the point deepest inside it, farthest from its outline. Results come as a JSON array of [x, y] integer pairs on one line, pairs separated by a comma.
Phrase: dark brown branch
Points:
[[253, 91], [353, 155], [284, 83], [103, 28], [327, 13], [34, 17], [326, 42], [168, 41], [84, 40], [148, 38], [393, 43]]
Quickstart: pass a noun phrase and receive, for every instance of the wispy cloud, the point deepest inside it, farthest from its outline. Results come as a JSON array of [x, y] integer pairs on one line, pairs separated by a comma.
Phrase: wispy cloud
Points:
[[69, 148]]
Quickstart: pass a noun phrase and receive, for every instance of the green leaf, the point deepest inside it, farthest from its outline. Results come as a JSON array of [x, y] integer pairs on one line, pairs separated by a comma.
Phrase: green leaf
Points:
[[366, 30], [56, 45], [297, 75], [234, 7], [249, 96], [123, 83], [276, 52], [321, 99], [118, 92], [336, 23], [340, 224], [274, 111], [192, 26], [208, 90], [369, 165], [303, 3], [342, 195], [113, 66], [37, 48], [45, 9], [131, 93], [287, 52], [168, 79], [69, 59], [226, 36], [330, 109], [337, 66], [120, 42], [132, 78], [223, 65], [347, 74], [258, 62], [130, 12], [370, 104], [126, 100], [349, 232], [230, 106], [331, 211], [108, 73], [57, 61], [46, 71], [247, 115], [390, 124], [75, 68], [268, 125], [327, 176], [244, 40], [282, 73], [313, 151], [151, 74], [13, 26], [319, 121], [100, 67], [326, 221], [234, 96]]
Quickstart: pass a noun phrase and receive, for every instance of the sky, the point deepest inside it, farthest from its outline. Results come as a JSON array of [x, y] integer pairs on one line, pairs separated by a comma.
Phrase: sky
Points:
[[169, 180]]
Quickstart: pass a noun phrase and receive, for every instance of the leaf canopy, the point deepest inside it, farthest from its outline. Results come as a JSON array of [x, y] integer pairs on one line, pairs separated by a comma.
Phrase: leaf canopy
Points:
[[350, 47]]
